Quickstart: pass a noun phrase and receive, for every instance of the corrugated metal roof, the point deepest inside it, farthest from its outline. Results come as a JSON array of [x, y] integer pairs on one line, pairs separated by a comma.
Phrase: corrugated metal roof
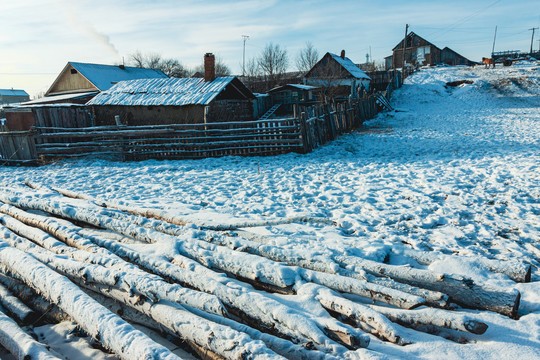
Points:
[[175, 92], [12, 92], [351, 67], [105, 76]]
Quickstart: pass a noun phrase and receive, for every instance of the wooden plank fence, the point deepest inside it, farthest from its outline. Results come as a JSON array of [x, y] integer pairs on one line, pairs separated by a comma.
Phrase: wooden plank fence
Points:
[[311, 127], [180, 141]]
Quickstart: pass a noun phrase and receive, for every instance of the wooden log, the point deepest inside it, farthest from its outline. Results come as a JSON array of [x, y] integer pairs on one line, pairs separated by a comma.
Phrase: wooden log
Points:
[[114, 333], [461, 290], [21, 345], [269, 314], [218, 339], [16, 307], [433, 317], [516, 270], [148, 286], [360, 314], [49, 313]]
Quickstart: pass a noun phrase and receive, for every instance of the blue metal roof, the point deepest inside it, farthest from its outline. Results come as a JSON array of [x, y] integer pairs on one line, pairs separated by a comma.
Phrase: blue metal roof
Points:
[[105, 76], [12, 92], [351, 67], [170, 91]]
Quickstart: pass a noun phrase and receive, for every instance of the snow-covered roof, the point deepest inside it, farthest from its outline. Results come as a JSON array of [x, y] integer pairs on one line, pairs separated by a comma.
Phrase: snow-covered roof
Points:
[[12, 92], [56, 98], [351, 67], [105, 76], [175, 92]]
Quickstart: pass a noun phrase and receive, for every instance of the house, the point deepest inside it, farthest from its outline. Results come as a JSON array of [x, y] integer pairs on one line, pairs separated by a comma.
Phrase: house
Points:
[[79, 82], [418, 52], [290, 94], [12, 96], [338, 73], [450, 57], [175, 100]]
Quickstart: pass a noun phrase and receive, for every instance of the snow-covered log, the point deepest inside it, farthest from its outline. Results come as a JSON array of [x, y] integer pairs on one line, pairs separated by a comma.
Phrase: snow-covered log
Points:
[[360, 314], [113, 332], [149, 287], [15, 306], [433, 317], [176, 220], [49, 312], [262, 310], [221, 340], [516, 270], [461, 290], [20, 344], [248, 267]]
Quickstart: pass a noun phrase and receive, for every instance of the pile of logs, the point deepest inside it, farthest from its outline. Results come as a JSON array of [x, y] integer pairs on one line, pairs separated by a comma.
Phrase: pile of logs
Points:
[[222, 291]]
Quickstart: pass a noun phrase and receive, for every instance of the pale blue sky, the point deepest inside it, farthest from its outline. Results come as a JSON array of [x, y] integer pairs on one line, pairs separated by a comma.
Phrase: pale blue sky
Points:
[[40, 36]]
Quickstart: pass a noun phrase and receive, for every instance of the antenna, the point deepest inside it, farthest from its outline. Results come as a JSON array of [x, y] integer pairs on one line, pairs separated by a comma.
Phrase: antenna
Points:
[[244, 37]]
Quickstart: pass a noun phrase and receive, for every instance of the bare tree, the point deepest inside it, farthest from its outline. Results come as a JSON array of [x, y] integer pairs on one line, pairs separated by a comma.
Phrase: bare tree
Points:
[[307, 58], [273, 61], [171, 67]]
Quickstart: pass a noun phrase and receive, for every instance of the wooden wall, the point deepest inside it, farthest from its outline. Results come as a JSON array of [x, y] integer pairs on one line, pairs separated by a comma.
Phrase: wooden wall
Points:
[[149, 115], [68, 82]]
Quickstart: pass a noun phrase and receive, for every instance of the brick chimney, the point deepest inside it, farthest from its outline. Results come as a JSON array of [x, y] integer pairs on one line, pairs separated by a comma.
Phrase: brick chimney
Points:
[[209, 67], [343, 54]]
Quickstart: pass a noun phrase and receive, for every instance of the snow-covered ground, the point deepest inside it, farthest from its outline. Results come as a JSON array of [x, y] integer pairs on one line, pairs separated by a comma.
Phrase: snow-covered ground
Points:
[[455, 170]]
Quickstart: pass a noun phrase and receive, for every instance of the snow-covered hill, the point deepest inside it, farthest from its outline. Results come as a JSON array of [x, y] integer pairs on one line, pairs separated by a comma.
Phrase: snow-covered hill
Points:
[[453, 169]]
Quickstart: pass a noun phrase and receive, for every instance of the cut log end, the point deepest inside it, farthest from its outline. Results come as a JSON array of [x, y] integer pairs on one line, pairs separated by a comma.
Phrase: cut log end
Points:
[[475, 327]]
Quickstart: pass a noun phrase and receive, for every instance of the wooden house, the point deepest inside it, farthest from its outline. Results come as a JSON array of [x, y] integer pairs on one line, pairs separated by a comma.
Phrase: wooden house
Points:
[[418, 52], [79, 82], [338, 73], [175, 100], [12, 96]]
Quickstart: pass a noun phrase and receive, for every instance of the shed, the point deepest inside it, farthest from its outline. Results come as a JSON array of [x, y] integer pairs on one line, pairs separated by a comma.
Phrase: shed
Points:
[[450, 57], [418, 52], [290, 94], [12, 96], [174, 101], [339, 73]]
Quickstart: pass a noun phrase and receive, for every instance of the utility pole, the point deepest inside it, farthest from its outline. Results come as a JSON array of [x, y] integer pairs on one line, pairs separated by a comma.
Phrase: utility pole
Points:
[[532, 38], [405, 44], [494, 37], [245, 37]]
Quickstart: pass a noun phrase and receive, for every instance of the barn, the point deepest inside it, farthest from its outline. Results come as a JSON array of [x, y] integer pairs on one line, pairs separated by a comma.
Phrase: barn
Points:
[[450, 57], [338, 73], [175, 100]]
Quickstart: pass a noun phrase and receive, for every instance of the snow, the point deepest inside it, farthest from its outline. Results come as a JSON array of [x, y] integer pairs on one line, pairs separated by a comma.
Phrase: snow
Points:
[[451, 170]]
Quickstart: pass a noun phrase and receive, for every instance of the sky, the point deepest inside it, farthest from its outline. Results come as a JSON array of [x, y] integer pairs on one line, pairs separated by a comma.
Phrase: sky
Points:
[[40, 36]]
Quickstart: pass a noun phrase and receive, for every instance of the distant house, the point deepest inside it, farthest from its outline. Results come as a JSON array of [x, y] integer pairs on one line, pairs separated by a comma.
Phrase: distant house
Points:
[[418, 52], [175, 100], [79, 82], [450, 57], [338, 72], [12, 96]]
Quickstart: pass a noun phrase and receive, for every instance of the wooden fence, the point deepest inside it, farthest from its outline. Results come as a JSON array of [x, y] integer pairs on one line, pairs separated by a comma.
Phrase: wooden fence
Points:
[[17, 147], [323, 123], [186, 141], [311, 127]]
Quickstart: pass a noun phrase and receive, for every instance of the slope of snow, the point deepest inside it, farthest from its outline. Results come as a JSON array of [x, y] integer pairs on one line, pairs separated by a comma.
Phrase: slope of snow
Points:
[[452, 169]]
